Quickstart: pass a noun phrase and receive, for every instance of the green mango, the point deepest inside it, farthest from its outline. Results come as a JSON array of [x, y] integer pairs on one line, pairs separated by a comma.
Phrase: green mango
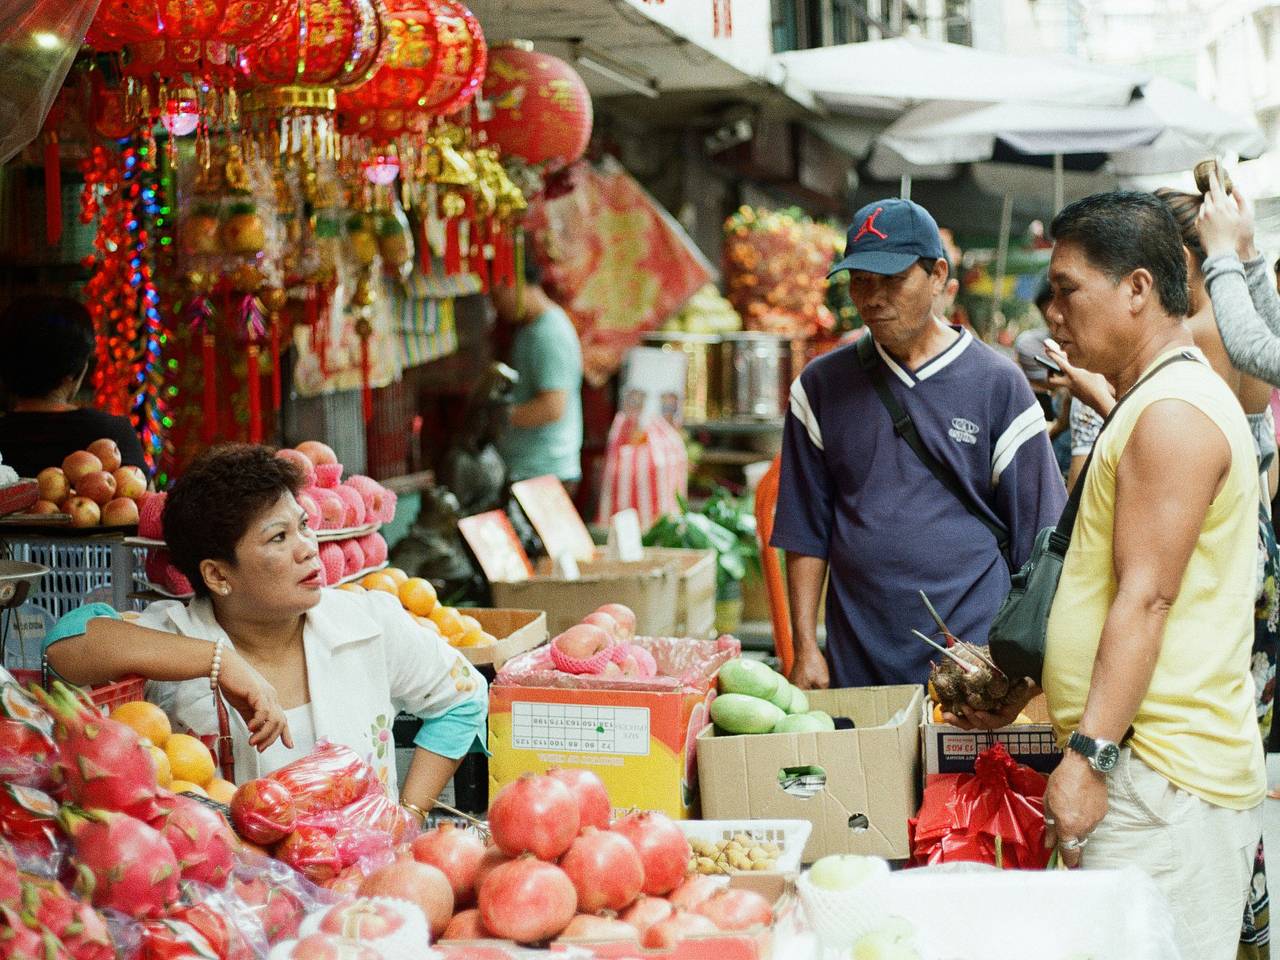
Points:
[[749, 677], [738, 713], [782, 696], [800, 723], [823, 718], [799, 702]]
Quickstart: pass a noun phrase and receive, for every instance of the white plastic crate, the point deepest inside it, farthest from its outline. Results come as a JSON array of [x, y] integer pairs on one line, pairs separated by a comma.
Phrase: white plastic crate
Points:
[[81, 571], [789, 835]]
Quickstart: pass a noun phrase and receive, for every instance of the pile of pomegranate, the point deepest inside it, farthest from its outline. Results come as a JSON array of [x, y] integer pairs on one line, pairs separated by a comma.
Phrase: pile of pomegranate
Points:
[[558, 868], [601, 645], [93, 487]]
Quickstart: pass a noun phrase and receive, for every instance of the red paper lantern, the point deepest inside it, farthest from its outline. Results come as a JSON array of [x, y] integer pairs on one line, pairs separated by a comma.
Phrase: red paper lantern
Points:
[[319, 45], [541, 107], [433, 62]]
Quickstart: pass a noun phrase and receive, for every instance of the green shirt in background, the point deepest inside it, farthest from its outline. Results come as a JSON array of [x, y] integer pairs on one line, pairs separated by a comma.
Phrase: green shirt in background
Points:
[[547, 356]]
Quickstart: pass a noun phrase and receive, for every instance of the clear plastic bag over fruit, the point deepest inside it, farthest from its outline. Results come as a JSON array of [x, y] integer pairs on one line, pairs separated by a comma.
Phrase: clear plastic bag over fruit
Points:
[[268, 901], [330, 777]]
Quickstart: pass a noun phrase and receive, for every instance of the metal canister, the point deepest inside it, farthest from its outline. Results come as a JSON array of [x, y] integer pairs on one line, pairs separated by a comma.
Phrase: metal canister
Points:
[[755, 375], [699, 381]]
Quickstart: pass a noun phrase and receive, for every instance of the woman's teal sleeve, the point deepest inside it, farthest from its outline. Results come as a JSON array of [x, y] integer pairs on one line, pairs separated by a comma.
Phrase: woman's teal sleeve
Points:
[[76, 622], [458, 731]]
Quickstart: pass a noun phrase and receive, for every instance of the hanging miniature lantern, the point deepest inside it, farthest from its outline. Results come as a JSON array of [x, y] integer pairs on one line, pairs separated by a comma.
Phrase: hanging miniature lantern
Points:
[[541, 107], [295, 71]]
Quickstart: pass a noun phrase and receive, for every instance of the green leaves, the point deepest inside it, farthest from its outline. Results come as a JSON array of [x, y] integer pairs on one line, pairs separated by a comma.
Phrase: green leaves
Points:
[[724, 524]]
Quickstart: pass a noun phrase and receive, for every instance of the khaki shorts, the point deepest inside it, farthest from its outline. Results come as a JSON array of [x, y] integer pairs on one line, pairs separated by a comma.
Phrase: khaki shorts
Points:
[[1199, 854]]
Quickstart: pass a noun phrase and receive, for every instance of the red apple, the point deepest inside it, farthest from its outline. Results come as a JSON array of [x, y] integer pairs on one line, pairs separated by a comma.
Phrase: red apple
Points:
[[131, 482], [318, 453], [106, 451], [84, 512], [322, 946], [79, 464], [44, 506], [604, 622], [98, 486], [54, 485], [362, 920], [120, 512]]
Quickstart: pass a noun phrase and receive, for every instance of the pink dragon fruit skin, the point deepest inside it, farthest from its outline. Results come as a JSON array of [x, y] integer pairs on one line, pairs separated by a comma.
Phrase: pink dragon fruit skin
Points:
[[121, 863]]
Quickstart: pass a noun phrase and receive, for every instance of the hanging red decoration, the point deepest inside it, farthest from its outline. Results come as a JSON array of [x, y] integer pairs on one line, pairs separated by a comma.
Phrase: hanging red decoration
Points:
[[434, 59], [541, 107], [318, 45]]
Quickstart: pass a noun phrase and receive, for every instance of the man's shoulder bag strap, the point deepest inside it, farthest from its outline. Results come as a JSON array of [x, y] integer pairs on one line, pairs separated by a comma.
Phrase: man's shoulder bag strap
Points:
[[905, 427]]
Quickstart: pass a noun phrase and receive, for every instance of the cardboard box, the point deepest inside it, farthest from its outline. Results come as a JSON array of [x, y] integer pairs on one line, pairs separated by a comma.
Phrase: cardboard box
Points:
[[517, 631], [869, 780], [649, 587], [948, 749], [696, 590]]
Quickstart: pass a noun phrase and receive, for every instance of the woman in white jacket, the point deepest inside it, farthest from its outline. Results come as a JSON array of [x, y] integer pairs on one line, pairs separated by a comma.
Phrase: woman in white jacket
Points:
[[296, 663]]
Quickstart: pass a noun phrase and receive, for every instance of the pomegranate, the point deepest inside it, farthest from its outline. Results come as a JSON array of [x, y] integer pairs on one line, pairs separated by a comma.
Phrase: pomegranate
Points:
[[594, 806], [104, 764], [662, 848], [647, 911], [493, 857], [694, 890], [736, 910], [605, 870], [419, 883], [625, 618], [322, 946], [122, 863], [456, 853], [527, 900], [277, 908], [665, 934], [582, 641], [588, 927], [200, 839], [363, 920], [311, 852], [466, 925], [536, 814], [263, 811]]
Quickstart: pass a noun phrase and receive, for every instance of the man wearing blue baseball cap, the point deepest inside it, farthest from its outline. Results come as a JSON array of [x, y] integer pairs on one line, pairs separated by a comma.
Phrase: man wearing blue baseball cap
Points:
[[915, 459]]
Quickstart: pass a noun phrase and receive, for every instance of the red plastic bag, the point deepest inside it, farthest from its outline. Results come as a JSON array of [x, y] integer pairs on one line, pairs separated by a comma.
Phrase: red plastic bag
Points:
[[324, 846], [646, 467], [328, 778], [971, 816]]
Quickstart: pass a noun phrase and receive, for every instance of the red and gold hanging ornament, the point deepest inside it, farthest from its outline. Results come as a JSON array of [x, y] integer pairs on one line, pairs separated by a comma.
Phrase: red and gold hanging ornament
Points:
[[178, 56], [541, 108], [294, 73]]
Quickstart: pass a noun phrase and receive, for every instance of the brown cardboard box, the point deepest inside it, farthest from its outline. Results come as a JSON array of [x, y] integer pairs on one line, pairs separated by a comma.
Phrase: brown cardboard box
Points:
[[517, 631], [948, 749], [650, 588], [870, 786], [696, 593]]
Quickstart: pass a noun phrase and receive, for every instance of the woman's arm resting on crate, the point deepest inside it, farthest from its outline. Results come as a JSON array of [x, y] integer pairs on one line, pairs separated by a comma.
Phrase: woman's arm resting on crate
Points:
[[111, 648]]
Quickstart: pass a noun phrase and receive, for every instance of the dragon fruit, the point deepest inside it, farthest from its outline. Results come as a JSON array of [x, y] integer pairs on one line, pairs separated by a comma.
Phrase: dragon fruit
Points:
[[120, 862], [21, 942], [200, 839], [224, 937], [276, 907], [27, 751], [10, 885], [104, 765], [46, 905]]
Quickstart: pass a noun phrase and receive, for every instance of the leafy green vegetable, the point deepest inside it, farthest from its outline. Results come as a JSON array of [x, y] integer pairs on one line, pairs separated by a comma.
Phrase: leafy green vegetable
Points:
[[725, 524]]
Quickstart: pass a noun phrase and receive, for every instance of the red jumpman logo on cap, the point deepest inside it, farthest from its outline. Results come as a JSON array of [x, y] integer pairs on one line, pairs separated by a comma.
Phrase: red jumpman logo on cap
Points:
[[869, 226]]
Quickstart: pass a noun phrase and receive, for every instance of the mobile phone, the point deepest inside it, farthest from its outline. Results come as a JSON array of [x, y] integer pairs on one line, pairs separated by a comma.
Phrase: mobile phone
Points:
[[1048, 364]]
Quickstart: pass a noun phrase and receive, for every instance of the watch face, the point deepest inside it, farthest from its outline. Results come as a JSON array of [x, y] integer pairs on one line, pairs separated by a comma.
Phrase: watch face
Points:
[[1107, 757]]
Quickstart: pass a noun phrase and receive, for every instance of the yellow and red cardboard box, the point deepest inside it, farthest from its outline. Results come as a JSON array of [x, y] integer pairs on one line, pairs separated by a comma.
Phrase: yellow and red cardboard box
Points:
[[640, 736], [948, 749]]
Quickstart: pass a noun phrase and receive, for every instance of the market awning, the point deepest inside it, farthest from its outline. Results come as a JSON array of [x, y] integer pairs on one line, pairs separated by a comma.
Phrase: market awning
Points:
[[898, 74]]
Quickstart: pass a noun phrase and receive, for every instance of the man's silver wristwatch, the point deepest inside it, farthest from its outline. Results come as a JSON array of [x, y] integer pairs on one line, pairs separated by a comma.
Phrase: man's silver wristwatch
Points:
[[1103, 755]]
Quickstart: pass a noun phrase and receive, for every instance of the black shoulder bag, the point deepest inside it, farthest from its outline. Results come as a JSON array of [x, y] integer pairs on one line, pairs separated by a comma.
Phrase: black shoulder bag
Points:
[[1018, 633], [905, 427]]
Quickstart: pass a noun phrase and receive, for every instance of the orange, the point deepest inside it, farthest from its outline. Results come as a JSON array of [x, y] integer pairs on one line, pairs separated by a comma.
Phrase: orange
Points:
[[190, 760], [352, 587], [470, 624], [378, 580], [448, 620], [418, 596], [164, 775], [186, 786], [220, 790], [146, 718], [396, 574]]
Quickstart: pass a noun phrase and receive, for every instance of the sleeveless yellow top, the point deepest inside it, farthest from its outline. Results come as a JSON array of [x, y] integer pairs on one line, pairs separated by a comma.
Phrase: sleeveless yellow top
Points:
[[1197, 725]]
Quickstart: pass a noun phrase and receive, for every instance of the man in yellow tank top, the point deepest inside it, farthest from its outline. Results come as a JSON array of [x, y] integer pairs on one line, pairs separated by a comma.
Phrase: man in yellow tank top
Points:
[[1146, 668]]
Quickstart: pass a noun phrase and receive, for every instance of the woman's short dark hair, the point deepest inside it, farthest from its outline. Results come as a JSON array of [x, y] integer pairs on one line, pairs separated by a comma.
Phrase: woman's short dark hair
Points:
[[46, 339], [1124, 231], [211, 506]]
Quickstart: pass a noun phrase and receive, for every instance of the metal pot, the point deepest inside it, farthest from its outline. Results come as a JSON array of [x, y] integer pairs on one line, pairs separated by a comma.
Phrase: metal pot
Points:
[[699, 381], [755, 375]]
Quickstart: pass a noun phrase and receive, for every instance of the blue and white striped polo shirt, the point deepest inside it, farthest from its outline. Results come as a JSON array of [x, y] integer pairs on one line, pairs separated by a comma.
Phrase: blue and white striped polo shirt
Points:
[[853, 493]]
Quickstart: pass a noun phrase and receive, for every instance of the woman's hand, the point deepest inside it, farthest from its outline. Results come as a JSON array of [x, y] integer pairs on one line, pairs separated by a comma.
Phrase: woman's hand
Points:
[[970, 719], [255, 700], [1226, 223], [1091, 389]]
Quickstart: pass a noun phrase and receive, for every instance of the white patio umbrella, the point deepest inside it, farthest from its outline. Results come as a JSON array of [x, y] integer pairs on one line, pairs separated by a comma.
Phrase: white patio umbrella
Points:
[[895, 75]]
